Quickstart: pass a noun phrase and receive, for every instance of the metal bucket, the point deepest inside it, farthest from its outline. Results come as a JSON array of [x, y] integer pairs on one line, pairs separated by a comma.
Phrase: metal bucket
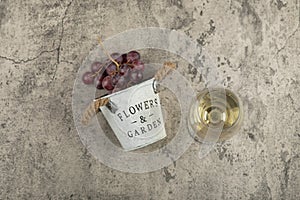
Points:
[[135, 116]]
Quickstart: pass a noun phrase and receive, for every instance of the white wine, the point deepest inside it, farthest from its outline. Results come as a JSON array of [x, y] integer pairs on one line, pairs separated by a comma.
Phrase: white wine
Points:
[[216, 109]]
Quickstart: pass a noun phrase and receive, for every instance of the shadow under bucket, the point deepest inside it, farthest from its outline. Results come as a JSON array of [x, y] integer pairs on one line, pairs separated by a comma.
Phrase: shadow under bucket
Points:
[[135, 115]]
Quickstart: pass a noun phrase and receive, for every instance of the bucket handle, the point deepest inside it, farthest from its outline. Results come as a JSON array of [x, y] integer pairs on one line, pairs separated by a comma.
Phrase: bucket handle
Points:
[[161, 74], [93, 108]]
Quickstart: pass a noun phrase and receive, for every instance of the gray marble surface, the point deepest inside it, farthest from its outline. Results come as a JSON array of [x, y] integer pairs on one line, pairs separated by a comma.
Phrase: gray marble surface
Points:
[[256, 46]]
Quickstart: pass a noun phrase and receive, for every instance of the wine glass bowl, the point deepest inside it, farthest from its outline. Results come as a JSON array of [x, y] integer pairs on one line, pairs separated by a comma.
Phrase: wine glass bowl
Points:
[[215, 109]]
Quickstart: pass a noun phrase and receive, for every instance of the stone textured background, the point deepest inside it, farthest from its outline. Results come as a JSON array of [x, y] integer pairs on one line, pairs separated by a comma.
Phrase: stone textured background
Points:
[[42, 44]]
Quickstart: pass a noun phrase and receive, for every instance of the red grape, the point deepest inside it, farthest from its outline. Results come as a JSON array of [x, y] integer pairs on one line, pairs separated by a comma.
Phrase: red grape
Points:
[[121, 82], [132, 56], [105, 73], [115, 79], [128, 72], [107, 83], [98, 81], [138, 65], [117, 57], [124, 68], [140, 76], [111, 69], [124, 56], [88, 78], [95, 67], [134, 77]]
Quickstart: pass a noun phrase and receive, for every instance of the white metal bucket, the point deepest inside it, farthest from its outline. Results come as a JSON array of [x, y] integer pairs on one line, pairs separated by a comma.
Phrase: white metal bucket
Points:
[[135, 116]]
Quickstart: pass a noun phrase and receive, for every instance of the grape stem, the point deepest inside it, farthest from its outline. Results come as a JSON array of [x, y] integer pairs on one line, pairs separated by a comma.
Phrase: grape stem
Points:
[[131, 65], [93, 75], [108, 55]]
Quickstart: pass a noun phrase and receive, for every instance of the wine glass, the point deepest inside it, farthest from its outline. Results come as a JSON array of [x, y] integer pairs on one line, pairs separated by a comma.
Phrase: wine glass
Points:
[[215, 116]]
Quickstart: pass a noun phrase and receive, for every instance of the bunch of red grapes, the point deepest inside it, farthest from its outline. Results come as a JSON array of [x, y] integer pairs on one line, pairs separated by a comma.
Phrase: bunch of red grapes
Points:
[[116, 73]]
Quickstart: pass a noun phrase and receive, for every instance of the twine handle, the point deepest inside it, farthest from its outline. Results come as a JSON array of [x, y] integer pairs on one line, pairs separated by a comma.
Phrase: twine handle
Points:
[[164, 71], [93, 109]]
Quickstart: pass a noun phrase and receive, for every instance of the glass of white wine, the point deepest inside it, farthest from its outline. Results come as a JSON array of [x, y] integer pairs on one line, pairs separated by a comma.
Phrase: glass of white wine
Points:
[[215, 116]]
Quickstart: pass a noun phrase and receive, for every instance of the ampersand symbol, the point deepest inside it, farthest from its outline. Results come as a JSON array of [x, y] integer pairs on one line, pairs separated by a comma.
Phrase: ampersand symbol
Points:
[[143, 119]]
